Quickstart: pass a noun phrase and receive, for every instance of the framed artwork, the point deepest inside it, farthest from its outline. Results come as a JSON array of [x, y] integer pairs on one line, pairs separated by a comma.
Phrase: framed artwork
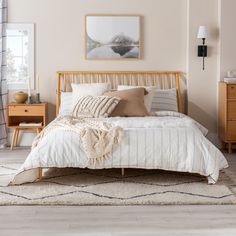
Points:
[[115, 37]]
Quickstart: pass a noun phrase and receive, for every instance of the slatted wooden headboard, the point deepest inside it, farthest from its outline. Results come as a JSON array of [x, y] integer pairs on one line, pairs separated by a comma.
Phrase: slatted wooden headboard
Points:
[[160, 79]]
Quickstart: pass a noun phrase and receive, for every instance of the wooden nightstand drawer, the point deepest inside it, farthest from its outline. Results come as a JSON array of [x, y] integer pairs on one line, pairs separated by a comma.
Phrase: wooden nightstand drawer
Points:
[[231, 91], [25, 110], [231, 130], [231, 110]]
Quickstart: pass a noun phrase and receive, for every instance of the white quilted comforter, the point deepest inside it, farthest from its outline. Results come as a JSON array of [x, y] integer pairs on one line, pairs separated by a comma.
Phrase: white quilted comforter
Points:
[[167, 141]]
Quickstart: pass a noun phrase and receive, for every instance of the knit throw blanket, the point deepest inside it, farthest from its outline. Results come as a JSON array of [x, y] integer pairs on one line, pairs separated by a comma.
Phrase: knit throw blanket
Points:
[[96, 137]]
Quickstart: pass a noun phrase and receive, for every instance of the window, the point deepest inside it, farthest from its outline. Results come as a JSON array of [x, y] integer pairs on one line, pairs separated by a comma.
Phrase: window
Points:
[[20, 55]]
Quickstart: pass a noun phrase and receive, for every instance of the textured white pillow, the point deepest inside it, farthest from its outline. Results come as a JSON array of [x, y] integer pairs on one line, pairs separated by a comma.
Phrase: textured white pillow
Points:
[[66, 103], [147, 98], [92, 89], [165, 100]]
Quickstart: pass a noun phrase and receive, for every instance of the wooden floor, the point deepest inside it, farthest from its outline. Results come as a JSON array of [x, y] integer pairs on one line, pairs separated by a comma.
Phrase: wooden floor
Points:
[[115, 221]]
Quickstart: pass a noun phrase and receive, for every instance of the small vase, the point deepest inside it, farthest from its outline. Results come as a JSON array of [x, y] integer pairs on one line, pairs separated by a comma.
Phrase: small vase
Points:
[[29, 100], [20, 97], [37, 99]]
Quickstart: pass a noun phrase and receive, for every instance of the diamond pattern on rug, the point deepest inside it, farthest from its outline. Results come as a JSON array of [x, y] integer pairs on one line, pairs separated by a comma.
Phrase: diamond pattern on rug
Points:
[[81, 180], [72, 186]]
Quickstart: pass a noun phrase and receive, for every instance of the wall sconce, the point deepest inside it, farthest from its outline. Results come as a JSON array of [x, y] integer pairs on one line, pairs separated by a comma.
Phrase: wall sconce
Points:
[[202, 49]]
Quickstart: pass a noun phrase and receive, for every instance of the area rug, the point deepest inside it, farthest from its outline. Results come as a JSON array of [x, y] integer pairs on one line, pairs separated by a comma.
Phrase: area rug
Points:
[[107, 187]]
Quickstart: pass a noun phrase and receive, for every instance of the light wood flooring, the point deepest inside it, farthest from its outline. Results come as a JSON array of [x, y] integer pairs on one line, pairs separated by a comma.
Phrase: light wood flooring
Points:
[[115, 220]]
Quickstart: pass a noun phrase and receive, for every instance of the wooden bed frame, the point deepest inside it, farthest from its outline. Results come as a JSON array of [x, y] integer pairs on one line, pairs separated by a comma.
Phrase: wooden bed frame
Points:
[[160, 79]]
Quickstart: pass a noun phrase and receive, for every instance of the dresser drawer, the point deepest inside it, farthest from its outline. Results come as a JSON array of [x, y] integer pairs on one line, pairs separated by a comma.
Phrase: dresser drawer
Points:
[[231, 130], [26, 110], [231, 110], [231, 91]]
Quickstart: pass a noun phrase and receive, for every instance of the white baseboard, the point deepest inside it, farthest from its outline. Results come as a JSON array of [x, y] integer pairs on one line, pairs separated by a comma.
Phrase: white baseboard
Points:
[[25, 138]]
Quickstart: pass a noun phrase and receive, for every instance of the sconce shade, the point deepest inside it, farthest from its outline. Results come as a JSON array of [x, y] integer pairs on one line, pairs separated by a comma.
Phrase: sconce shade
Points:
[[202, 32]]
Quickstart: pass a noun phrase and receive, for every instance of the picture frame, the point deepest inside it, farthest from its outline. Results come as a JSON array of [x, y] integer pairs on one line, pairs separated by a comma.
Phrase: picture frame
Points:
[[112, 37]]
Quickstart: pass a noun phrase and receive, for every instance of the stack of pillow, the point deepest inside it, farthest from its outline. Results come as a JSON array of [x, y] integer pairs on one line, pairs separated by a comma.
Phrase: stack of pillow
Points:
[[97, 100]]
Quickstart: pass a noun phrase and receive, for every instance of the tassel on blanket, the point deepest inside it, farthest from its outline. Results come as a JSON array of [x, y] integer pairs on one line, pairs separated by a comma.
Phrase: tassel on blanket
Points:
[[98, 144]]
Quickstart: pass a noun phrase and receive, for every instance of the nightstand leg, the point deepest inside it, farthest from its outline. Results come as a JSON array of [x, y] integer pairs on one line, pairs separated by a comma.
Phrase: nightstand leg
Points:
[[17, 136], [230, 148], [13, 139], [123, 172]]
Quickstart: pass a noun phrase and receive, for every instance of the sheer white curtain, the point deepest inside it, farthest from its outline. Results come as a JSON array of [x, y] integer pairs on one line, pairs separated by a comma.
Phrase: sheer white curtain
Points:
[[3, 82]]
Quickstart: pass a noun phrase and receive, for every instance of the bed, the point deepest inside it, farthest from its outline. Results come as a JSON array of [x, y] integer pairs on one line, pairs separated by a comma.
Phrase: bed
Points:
[[168, 140]]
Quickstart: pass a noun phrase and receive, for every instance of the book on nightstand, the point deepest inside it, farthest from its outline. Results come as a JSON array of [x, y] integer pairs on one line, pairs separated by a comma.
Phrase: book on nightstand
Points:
[[230, 80], [30, 124]]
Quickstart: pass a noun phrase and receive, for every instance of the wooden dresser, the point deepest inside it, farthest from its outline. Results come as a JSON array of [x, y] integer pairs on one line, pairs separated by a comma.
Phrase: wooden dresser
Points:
[[25, 113], [227, 114]]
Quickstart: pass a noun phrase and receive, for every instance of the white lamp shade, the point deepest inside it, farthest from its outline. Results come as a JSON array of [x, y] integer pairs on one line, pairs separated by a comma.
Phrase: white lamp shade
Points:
[[202, 32]]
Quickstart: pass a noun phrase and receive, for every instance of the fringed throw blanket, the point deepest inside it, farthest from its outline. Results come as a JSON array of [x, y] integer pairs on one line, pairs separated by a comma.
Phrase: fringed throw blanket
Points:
[[96, 137]]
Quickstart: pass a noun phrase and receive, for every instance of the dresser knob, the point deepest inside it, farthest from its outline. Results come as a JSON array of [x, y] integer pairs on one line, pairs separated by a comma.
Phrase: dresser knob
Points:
[[232, 87], [26, 110]]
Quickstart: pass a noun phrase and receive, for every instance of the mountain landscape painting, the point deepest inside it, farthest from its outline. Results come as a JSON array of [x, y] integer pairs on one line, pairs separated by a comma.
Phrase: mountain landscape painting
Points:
[[112, 37]]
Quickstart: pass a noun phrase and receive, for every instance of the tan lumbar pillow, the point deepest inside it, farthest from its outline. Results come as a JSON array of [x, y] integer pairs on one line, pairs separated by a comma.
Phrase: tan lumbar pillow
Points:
[[131, 103], [89, 106], [148, 96]]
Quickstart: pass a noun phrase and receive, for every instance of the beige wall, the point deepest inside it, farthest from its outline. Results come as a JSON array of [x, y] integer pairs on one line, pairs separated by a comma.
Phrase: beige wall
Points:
[[60, 35], [202, 85], [169, 36], [228, 37]]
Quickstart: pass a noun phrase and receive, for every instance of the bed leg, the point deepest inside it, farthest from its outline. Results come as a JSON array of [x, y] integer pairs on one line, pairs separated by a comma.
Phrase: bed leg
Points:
[[40, 173], [123, 172]]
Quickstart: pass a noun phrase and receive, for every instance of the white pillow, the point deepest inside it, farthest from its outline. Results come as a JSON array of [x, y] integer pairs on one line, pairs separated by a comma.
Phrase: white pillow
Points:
[[165, 100], [147, 98], [91, 89], [66, 103]]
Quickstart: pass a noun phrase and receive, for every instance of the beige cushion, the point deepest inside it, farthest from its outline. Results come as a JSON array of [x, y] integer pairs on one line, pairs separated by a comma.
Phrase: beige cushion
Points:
[[147, 98], [90, 89], [101, 106], [131, 104]]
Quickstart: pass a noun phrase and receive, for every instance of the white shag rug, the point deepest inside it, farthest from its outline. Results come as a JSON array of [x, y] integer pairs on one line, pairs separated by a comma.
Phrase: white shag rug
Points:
[[107, 187]]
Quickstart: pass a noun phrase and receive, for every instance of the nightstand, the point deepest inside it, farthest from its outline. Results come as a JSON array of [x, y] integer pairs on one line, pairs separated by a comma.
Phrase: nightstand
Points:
[[227, 114], [20, 116]]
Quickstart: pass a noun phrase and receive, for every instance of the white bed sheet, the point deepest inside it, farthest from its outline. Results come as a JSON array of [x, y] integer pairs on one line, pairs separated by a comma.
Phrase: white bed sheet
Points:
[[168, 141]]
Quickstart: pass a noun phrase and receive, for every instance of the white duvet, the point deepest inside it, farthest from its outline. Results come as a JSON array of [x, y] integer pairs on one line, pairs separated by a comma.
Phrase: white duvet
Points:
[[167, 141]]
